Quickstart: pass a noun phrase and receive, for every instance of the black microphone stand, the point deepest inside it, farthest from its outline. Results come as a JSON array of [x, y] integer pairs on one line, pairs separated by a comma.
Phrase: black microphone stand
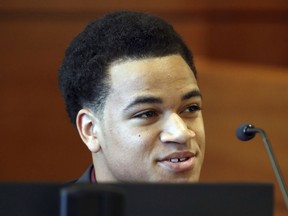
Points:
[[272, 158]]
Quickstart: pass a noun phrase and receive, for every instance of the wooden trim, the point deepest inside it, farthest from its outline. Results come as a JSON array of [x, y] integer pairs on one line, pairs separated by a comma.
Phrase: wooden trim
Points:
[[211, 16]]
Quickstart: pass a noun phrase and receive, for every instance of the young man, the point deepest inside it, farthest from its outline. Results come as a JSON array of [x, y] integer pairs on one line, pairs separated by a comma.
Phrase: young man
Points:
[[129, 84]]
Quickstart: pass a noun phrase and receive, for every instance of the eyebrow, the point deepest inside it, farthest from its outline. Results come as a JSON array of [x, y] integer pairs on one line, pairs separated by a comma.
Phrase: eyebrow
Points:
[[144, 100], [156, 100], [191, 94]]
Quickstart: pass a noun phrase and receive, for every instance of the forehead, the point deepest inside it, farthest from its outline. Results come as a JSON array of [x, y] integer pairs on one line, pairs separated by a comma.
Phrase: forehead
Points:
[[152, 74], [167, 78]]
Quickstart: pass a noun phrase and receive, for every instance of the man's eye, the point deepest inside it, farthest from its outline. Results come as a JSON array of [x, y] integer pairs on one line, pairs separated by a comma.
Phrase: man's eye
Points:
[[192, 108], [146, 115]]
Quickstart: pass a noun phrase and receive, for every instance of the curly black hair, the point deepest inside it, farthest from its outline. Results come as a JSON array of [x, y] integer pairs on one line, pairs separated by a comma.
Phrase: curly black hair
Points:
[[83, 76]]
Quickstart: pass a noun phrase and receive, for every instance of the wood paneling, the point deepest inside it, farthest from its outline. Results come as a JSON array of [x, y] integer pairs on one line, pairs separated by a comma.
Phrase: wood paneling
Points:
[[234, 94], [163, 5], [255, 36]]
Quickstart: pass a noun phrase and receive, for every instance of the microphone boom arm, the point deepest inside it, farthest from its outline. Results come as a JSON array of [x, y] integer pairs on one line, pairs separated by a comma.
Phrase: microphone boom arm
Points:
[[272, 158]]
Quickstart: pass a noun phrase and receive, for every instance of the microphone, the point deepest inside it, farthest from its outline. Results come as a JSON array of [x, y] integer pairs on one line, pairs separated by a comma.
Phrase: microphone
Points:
[[247, 132]]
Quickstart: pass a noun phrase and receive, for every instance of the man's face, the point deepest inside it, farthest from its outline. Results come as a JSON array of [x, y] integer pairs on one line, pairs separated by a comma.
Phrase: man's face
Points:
[[152, 127]]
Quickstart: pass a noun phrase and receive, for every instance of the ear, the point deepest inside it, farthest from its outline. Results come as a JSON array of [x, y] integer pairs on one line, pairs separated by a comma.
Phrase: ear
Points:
[[86, 122]]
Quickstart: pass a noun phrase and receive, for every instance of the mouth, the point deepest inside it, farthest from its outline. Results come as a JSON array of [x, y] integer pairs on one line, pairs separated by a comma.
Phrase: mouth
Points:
[[178, 161]]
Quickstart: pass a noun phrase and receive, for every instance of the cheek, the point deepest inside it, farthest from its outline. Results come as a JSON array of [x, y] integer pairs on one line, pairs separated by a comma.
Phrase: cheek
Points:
[[198, 128], [147, 141], [200, 131], [201, 140], [127, 139], [142, 144], [124, 136]]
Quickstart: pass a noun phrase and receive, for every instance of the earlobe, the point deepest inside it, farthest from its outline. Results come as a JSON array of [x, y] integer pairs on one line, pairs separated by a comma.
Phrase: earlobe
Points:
[[86, 126]]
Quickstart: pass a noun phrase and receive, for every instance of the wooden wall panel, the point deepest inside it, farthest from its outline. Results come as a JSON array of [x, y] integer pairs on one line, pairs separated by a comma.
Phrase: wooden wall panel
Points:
[[36, 137], [145, 4], [242, 34], [234, 94], [255, 42]]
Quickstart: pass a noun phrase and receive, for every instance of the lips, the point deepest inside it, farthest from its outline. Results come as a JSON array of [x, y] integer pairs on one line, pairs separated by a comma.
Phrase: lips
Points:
[[178, 161]]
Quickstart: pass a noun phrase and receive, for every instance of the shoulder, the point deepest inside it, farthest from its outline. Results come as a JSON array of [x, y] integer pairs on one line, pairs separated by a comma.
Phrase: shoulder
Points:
[[86, 177]]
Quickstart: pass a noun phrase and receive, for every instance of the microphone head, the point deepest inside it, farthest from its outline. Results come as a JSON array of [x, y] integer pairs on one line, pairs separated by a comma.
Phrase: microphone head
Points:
[[243, 132]]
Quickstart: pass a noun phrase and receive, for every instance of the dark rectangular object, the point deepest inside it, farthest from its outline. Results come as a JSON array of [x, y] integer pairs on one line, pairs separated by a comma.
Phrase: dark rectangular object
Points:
[[199, 200], [202, 199], [29, 199]]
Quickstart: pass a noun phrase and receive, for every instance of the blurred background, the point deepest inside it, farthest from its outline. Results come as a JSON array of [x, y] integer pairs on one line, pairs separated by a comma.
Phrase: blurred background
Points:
[[241, 53]]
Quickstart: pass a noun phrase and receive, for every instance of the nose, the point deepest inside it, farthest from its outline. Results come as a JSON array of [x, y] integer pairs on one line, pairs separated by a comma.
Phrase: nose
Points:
[[175, 130]]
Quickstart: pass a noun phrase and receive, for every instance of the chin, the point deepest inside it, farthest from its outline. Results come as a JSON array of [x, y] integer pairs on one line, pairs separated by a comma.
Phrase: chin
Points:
[[178, 179], [190, 180]]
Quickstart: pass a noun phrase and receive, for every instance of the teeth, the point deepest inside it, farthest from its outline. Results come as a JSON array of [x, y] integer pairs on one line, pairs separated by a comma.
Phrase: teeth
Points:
[[176, 160]]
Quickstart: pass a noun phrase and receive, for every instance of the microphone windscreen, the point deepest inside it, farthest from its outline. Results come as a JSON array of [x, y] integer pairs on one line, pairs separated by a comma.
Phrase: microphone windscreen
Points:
[[243, 134]]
